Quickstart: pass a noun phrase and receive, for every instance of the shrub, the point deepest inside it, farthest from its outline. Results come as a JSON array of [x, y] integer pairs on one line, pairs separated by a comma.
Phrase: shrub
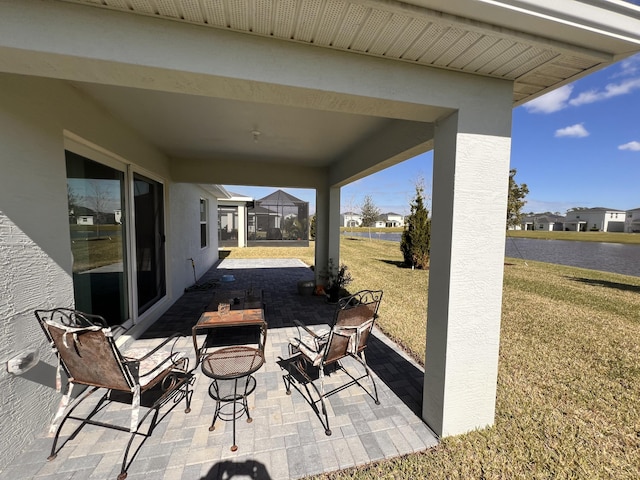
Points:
[[416, 237]]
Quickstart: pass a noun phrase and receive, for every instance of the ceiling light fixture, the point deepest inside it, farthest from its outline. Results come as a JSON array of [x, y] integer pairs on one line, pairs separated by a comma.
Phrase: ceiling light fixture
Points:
[[256, 134]]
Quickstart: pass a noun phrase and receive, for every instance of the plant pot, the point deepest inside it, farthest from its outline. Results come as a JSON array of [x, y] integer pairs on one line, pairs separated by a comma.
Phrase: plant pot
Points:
[[306, 287], [333, 295]]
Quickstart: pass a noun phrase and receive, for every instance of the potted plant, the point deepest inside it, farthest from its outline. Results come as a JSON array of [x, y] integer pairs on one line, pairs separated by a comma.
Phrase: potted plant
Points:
[[337, 280]]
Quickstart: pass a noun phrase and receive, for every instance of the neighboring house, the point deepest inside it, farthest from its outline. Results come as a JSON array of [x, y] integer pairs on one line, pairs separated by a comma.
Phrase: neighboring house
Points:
[[155, 104], [632, 221], [280, 217], [85, 220], [351, 219], [234, 224], [392, 219], [595, 219], [387, 220], [549, 222]]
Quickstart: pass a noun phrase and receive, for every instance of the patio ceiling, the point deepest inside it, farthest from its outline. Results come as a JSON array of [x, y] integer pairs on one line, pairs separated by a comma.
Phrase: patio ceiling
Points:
[[537, 45]]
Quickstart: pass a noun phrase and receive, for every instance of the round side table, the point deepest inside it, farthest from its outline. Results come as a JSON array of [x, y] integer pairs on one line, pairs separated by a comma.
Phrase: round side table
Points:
[[231, 369]]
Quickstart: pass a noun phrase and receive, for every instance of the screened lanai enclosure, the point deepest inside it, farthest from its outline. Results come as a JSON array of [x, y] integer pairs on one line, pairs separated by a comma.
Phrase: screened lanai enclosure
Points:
[[278, 219]]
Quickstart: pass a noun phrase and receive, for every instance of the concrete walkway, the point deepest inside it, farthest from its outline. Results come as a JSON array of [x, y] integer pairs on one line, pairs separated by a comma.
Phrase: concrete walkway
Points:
[[285, 440]]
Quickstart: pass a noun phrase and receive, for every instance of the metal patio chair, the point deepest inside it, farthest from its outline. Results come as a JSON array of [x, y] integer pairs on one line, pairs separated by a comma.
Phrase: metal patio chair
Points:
[[89, 356], [314, 354]]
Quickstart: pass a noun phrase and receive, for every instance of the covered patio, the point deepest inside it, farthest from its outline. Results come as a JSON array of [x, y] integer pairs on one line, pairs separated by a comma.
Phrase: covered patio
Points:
[[168, 99], [285, 440]]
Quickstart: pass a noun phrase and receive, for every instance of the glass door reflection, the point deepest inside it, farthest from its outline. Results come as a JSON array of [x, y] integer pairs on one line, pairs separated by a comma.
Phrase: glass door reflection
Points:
[[97, 229]]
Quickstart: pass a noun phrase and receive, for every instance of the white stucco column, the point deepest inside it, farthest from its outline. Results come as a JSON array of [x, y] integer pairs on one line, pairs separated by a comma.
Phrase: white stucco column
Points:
[[327, 229], [242, 226], [470, 181]]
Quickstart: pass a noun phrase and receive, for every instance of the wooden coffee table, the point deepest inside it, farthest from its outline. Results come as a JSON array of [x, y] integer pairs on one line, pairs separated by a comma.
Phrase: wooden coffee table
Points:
[[247, 309], [231, 367]]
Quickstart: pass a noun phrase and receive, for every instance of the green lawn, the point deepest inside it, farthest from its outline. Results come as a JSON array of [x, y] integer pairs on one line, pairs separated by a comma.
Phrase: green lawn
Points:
[[568, 400]]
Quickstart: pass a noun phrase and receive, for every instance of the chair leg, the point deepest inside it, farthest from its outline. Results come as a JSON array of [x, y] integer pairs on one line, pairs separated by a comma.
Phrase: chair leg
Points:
[[125, 465], [290, 381], [70, 410], [173, 393], [373, 382], [187, 397], [327, 430]]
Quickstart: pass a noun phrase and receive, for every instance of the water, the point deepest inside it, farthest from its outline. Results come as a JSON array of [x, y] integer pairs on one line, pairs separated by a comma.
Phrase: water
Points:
[[606, 257], [392, 237]]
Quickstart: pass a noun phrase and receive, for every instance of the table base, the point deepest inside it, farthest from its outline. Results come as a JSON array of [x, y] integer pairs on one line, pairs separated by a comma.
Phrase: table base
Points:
[[227, 393]]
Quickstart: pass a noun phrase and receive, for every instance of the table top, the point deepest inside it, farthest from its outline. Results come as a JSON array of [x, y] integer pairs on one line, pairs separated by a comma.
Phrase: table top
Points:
[[232, 362], [239, 299], [248, 310]]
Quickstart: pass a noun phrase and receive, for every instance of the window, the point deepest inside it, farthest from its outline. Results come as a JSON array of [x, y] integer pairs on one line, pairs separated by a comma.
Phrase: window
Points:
[[203, 223]]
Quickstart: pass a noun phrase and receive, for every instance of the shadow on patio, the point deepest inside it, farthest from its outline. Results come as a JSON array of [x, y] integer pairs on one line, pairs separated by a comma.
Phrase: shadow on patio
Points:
[[285, 440]]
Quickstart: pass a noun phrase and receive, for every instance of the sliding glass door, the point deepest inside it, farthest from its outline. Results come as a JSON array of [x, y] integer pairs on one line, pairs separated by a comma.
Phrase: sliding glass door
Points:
[[97, 227], [116, 225], [148, 200]]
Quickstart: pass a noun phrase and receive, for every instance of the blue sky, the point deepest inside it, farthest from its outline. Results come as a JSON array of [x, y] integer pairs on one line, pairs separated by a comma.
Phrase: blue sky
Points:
[[578, 146]]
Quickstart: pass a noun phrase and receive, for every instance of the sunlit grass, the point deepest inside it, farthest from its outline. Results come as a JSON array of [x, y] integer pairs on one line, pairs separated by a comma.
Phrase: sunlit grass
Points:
[[568, 399], [94, 253]]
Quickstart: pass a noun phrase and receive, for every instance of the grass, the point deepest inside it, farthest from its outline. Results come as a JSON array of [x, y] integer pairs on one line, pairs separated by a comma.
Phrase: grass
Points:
[[95, 246], [568, 399], [94, 253]]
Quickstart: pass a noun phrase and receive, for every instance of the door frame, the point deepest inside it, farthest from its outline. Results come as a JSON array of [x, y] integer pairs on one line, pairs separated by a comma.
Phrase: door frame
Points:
[[80, 146]]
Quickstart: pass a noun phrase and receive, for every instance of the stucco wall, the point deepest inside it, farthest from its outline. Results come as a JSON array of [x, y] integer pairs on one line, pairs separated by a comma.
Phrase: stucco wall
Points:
[[35, 252], [184, 235]]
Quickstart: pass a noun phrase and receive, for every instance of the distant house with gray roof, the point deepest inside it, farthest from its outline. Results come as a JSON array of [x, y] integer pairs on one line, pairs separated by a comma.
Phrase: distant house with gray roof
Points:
[[632, 221], [388, 220], [546, 222], [595, 219]]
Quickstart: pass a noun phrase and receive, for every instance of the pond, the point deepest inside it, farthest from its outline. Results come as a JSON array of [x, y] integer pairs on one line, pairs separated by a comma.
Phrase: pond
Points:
[[607, 257]]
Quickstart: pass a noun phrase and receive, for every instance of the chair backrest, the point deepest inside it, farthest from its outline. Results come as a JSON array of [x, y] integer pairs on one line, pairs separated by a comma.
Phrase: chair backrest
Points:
[[353, 323], [85, 348]]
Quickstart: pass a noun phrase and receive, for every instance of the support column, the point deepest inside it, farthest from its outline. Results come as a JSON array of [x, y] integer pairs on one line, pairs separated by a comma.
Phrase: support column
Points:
[[242, 226], [470, 182], [327, 230]]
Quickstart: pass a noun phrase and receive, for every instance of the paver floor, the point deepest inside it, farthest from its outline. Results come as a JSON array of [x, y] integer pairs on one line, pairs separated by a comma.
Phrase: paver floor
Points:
[[286, 439]]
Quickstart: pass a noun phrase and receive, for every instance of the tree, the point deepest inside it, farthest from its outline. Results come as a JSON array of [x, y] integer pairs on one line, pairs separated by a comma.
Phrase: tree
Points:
[[100, 198], [73, 200], [416, 237], [516, 201], [369, 212]]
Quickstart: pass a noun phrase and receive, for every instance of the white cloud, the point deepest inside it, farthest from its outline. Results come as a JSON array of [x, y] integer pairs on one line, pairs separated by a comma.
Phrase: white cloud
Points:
[[629, 66], [576, 130], [551, 102], [611, 90], [632, 146]]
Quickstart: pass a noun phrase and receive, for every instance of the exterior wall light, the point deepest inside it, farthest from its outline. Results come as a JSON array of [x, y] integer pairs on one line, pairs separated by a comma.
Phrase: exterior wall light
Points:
[[23, 361]]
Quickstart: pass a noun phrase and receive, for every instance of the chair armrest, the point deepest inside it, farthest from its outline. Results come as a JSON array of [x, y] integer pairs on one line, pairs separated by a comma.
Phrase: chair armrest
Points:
[[300, 325], [310, 335], [175, 358], [173, 337]]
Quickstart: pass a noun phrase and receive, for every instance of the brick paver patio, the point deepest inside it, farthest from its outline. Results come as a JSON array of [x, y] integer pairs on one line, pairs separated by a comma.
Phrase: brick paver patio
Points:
[[285, 439]]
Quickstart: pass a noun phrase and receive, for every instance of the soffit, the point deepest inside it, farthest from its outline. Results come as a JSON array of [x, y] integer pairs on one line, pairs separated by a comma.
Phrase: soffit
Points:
[[408, 32]]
